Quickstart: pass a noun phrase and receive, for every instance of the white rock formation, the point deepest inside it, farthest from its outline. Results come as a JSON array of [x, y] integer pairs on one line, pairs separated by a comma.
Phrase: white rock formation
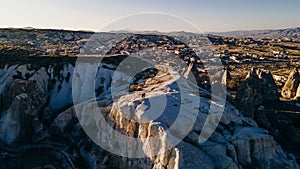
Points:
[[237, 142], [290, 89]]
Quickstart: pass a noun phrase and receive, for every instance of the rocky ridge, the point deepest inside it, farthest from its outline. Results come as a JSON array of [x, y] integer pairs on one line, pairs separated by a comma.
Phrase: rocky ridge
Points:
[[237, 142], [47, 123]]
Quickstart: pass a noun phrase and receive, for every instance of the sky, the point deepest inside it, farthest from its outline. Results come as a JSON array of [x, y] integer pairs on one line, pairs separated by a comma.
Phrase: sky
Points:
[[161, 15]]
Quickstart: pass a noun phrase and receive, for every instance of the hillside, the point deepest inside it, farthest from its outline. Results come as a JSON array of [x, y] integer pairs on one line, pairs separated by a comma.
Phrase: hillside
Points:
[[289, 33]]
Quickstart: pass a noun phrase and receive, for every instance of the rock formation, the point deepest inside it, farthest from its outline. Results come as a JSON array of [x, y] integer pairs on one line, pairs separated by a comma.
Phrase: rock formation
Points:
[[56, 114], [298, 92], [226, 77], [23, 101], [237, 143], [291, 88], [258, 87]]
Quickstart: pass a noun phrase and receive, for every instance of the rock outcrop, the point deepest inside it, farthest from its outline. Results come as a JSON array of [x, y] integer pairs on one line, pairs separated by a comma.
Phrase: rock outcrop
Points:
[[291, 89], [23, 102], [298, 92], [58, 115], [237, 142], [258, 87]]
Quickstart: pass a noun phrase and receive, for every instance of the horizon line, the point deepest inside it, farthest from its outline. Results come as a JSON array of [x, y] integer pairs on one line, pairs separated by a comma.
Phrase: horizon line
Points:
[[133, 31]]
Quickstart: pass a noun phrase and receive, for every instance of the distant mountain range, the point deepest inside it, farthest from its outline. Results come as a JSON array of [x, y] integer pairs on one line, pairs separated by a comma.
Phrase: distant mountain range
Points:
[[291, 33], [155, 32]]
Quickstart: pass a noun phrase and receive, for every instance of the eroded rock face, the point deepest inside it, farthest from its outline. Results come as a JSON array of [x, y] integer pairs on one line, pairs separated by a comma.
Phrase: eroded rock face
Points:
[[237, 143], [291, 88], [256, 149], [25, 99], [258, 86]]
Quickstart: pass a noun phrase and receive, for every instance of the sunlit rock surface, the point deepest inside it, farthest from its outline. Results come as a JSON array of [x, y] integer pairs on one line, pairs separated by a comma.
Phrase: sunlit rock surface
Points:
[[291, 88], [37, 115]]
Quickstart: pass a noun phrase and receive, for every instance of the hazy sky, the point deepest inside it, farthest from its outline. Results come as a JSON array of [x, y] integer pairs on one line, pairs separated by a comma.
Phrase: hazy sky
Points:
[[209, 15]]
